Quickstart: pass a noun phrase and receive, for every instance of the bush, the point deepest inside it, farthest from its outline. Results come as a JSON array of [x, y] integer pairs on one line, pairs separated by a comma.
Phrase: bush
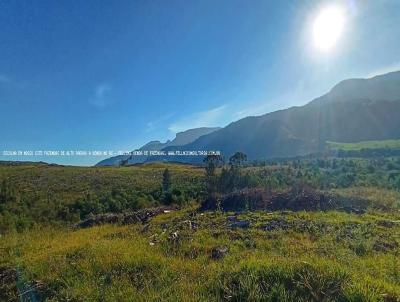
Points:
[[299, 282]]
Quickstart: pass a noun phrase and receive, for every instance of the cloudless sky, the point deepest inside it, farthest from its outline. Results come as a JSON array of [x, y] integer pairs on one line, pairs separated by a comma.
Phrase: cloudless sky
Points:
[[113, 75]]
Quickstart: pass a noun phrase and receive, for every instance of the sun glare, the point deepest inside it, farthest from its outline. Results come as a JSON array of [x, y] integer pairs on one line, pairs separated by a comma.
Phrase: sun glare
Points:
[[328, 27]]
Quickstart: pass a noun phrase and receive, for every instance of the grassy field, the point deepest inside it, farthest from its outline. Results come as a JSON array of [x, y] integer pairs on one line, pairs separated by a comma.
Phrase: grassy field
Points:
[[281, 256], [382, 144], [194, 255], [68, 183], [50, 194]]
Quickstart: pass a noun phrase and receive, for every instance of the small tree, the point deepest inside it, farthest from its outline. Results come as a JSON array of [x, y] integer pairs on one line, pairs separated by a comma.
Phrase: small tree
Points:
[[167, 197], [211, 164], [237, 159], [236, 162], [166, 181], [225, 180], [7, 193], [3, 192]]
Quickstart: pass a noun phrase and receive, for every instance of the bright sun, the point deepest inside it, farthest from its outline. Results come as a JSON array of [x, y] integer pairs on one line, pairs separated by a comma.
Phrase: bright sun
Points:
[[328, 27]]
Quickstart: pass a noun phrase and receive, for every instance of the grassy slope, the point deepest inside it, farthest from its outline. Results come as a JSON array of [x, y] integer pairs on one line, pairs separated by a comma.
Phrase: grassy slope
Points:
[[322, 255], [382, 144], [343, 256], [68, 183]]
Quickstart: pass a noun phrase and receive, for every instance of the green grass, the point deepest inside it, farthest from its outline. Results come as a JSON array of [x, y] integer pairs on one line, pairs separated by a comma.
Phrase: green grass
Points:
[[322, 256], [38, 194], [282, 256], [68, 183], [375, 197], [382, 144]]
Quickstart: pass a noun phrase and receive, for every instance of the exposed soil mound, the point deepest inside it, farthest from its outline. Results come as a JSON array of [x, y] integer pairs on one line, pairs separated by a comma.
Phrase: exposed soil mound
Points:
[[302, 198], [298, 198], [246, 199]]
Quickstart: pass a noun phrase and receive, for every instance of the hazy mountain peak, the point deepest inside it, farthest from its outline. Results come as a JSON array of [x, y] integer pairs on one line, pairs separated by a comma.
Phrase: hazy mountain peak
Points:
[[354, 110], [188, 136], [181, 138], [381, 87]]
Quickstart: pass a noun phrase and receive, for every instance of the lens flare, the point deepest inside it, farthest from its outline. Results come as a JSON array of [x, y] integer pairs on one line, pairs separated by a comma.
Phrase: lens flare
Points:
[[328, 27]]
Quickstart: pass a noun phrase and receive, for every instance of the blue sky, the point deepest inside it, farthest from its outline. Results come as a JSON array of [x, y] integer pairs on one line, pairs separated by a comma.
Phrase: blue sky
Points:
[[112, 75]]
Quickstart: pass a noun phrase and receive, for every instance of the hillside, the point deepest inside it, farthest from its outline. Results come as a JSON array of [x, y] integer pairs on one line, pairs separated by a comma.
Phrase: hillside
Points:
[[110, 233], [365, 145], [191, 256], [354, 110], [32, 194], [182, 138]]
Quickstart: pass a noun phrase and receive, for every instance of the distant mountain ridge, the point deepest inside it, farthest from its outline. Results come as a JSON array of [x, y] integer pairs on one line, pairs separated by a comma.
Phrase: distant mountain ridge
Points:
[[353, 110], [181, 138], [382, 87]]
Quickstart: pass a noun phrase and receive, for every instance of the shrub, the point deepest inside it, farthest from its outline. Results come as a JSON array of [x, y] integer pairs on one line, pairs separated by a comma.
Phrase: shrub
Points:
[[300, 282]]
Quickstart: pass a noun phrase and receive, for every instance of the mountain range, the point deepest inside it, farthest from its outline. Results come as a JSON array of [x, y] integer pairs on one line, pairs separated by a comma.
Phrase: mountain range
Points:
[[181, 139], [354, 110]]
